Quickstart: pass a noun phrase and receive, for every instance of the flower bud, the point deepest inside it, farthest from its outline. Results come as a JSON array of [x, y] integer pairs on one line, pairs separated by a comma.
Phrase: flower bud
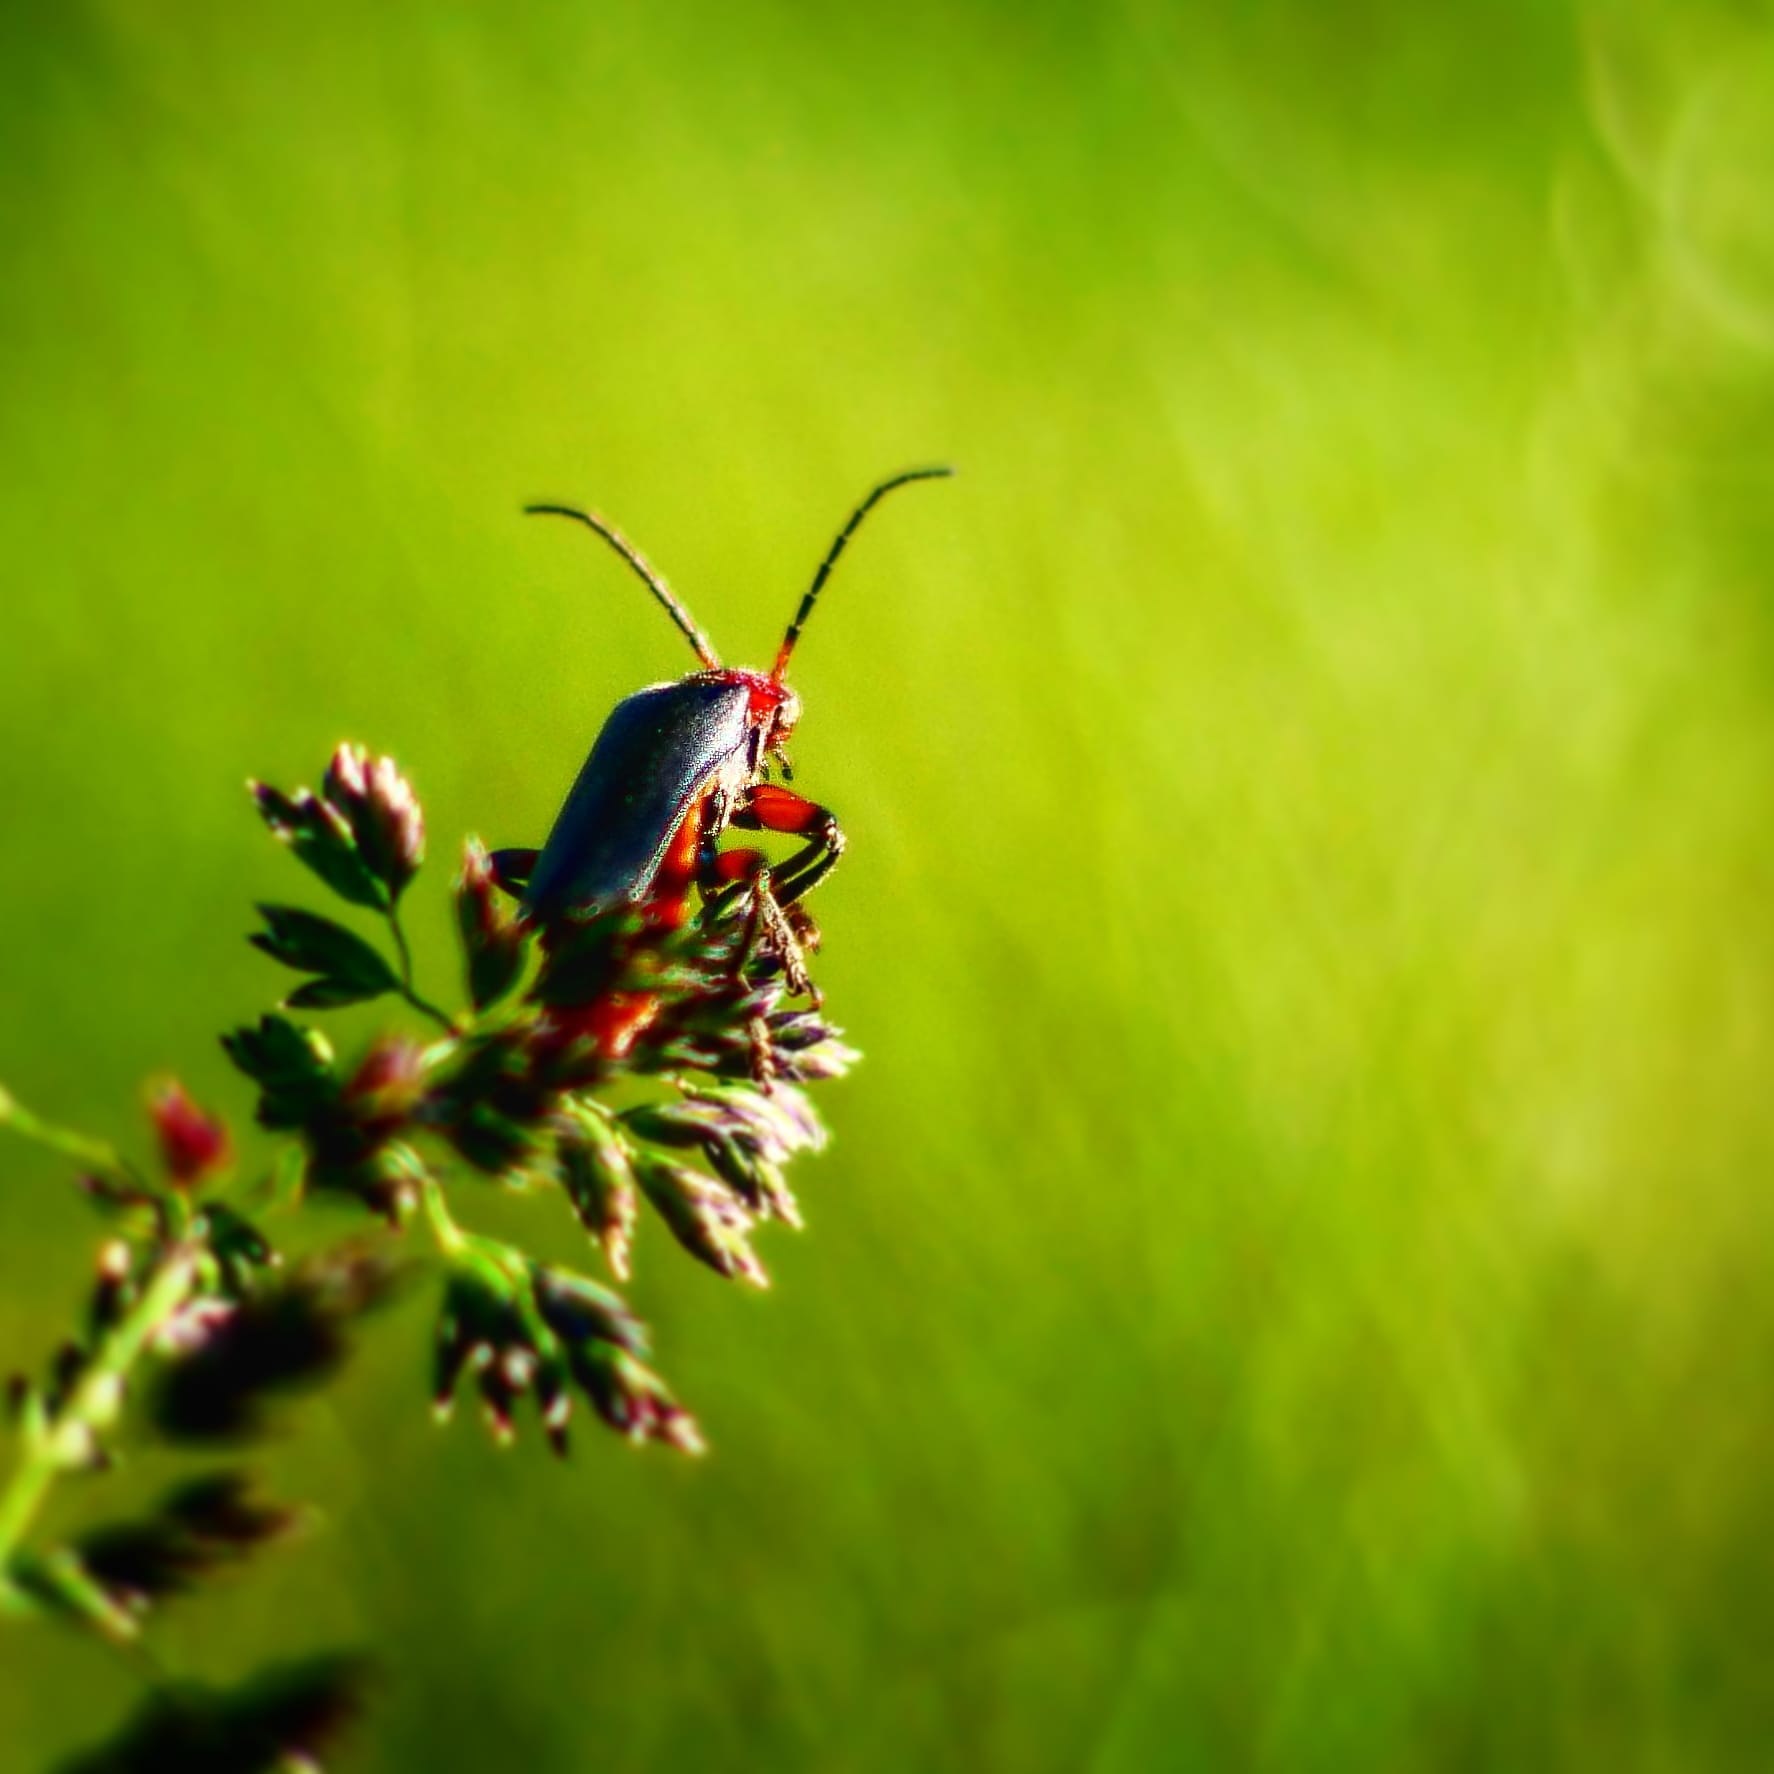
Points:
[[633, 1400], [492, 938], [705, 1217], [598, 1176], [577, 1310], [193, 1146], [382, 812], [290, 1717], [384, 1178], [322, 839], [225, 1365], [387, 1086]]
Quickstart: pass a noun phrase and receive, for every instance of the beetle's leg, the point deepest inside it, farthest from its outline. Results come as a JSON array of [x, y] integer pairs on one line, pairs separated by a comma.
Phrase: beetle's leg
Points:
[[788, 945], [714, 822], [766, 808], [724, 877], [742, 869], [763, 1060], [512, 869]]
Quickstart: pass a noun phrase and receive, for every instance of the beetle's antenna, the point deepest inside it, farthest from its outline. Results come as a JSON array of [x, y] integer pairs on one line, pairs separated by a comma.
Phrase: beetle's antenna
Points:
[[831, 560], [635, 559]]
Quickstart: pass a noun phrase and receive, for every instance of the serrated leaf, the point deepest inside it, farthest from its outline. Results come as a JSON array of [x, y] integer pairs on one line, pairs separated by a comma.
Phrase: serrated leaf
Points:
[[328, 993], [279, 1052], [352, 969], [292, 1066]]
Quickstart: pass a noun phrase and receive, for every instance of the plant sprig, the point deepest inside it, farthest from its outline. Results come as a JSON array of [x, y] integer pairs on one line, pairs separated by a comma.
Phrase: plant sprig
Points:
[[195, 1317]]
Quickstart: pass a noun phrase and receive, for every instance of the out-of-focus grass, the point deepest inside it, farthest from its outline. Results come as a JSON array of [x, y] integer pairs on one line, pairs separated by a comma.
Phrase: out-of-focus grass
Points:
[[1290, 1289]]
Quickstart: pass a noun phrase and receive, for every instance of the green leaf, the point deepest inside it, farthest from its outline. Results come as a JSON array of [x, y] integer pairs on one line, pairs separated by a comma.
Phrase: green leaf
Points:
[[351, 969], [293, 1067], [345, 872], [330, 993]]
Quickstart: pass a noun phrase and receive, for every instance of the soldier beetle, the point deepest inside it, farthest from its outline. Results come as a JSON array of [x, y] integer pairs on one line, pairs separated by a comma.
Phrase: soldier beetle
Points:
[[674, 767]]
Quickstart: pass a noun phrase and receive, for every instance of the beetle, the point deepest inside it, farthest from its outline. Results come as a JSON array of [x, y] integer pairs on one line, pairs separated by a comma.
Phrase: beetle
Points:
[[674, 766]]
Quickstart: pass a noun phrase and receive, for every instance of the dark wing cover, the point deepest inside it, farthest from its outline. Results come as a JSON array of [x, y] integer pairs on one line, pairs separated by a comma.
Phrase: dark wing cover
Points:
[[657, 749]]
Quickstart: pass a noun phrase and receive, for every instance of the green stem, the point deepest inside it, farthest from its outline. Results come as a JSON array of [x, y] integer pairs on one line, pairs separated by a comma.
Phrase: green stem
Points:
[[95, 1154], [450, 1237], [407, 991], [61, 1442]]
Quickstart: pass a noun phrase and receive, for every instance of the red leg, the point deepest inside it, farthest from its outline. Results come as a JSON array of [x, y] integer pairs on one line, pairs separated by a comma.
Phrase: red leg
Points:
[[727, 866], [766, 808]]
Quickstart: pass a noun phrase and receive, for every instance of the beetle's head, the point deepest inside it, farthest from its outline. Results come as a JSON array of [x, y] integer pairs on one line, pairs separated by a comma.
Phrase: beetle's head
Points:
[[782, 724], [772, 711], [774, 737]]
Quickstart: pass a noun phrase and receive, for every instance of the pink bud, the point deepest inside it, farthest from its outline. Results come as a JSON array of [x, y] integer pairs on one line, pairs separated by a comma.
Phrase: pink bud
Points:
[[193, 1145]]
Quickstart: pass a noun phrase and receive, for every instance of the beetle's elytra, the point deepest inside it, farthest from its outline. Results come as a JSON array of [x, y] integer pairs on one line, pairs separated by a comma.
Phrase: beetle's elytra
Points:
[[675, 765]]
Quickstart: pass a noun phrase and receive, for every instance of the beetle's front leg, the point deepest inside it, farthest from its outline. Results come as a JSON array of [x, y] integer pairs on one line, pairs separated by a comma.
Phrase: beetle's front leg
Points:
[[766, 808]]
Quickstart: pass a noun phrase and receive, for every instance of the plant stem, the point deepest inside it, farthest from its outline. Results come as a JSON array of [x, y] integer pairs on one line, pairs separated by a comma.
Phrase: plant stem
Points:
[[93, 1153], [407, 991], [61, 1442], [450, 1237]]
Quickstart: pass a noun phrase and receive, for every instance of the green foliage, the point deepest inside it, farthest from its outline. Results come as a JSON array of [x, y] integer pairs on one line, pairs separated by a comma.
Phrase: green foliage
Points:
[[194, 1307], [293, 1066], [349, 970], [1288, 1289]]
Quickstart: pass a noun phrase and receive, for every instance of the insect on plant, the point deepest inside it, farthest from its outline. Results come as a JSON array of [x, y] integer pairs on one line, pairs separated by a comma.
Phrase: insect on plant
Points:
[[626, 982], [673, 767]]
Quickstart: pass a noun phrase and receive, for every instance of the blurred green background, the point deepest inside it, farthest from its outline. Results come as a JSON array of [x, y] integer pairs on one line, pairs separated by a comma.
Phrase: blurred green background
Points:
[[1289, 1290]]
